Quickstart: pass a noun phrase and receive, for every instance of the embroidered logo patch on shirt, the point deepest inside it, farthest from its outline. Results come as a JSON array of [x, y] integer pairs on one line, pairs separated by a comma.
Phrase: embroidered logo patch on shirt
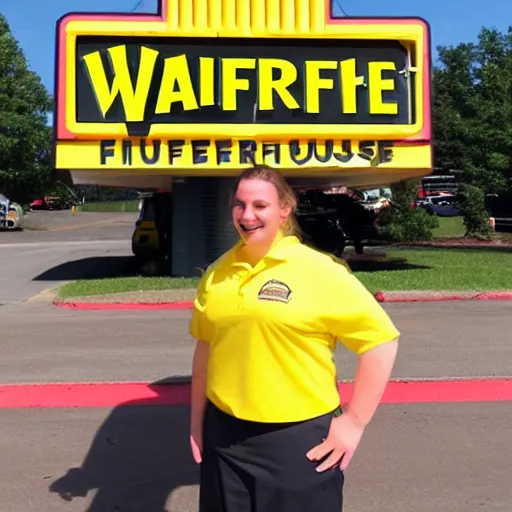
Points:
[[276, 291]]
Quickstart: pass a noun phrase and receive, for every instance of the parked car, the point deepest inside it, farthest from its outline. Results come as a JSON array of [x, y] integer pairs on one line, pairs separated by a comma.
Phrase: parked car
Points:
[[442, 205], [47, 203], [11, 215]]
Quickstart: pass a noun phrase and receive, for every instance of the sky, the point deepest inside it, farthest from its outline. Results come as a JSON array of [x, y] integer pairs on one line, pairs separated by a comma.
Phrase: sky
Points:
[[452, 21]]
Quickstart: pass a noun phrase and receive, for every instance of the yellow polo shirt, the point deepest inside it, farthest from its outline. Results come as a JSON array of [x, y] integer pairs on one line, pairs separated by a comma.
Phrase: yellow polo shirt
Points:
[[272, 330]]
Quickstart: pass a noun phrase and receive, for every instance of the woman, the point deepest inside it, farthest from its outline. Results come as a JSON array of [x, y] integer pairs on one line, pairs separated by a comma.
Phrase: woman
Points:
[[266, 421]]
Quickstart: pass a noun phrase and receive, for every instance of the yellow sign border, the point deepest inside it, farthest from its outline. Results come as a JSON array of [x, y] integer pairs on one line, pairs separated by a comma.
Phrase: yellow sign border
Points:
[[412, 33]]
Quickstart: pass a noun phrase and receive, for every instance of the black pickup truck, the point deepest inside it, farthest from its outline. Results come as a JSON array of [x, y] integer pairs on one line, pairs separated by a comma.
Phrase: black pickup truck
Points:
[[500, 208], [330, 222]]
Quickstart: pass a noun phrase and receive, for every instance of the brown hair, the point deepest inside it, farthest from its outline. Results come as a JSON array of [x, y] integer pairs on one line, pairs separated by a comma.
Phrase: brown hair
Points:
[[284, 191]]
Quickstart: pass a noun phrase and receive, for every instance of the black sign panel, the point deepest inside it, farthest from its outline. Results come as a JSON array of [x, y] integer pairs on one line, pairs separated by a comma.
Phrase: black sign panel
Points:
[[241, 81]]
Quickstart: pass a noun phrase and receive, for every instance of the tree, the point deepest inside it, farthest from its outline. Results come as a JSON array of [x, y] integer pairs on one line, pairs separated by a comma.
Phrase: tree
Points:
[[25, 139], [472, 110]]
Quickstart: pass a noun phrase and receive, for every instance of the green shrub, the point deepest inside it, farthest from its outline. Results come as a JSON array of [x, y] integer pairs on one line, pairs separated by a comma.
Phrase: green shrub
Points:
[[407, 225], [403, 223], [471, 202]]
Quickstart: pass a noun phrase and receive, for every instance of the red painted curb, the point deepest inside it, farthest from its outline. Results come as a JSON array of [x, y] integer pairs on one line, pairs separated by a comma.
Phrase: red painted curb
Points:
[[495, 296], [381, 296], [384, 297], [96, 306], [440, 296], [139, 393]]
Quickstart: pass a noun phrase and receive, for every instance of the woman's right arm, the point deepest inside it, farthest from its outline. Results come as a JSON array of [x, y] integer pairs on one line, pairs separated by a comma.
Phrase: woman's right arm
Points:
[[198, 398]]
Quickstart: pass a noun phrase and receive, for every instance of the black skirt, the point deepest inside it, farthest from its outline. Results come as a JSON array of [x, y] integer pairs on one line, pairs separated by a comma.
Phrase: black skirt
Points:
[[262, 467]]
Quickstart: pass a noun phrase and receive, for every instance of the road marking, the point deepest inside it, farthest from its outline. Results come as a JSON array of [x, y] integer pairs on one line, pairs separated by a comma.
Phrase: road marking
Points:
[[49, 243], [110, 222], [140, 393]]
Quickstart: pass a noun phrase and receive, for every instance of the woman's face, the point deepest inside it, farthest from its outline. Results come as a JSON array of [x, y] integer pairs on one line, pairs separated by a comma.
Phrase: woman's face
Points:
[[257, 212]]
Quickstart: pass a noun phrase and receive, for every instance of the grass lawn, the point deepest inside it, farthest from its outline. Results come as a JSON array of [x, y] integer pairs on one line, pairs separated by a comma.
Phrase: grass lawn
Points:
[[89, 287], [395, 269], [437, 269], [111, 206], [450, 227]]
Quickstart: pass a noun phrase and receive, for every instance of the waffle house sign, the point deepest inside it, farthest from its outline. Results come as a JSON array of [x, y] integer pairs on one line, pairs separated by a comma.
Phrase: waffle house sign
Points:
[[209, 86]]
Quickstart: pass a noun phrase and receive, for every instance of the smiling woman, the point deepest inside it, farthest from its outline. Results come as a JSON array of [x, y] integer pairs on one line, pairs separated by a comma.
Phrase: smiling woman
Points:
[[266, 422], [263, 206]]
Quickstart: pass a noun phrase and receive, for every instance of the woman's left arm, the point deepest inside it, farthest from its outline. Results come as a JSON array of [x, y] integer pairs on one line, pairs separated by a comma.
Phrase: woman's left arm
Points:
[[373, 373]]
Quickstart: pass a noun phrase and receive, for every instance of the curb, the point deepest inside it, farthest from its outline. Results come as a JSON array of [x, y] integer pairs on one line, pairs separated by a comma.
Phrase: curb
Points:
[[122, 394], [96, 306], [440, 296], [380, 296]]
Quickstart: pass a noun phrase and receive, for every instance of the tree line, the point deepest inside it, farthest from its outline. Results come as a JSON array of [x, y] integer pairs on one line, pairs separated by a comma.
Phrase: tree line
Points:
[[471, 113]]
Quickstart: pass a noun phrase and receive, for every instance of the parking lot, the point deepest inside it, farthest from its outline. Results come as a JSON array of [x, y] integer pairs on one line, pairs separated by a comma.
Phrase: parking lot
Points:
[[122, 444]]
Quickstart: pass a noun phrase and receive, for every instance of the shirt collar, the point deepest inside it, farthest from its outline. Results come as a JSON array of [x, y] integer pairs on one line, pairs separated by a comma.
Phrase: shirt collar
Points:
[[278, 251]]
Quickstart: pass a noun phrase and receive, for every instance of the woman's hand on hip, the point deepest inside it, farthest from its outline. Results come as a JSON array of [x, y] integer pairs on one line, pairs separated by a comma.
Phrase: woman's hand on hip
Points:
[[196, 444], [339, 445]]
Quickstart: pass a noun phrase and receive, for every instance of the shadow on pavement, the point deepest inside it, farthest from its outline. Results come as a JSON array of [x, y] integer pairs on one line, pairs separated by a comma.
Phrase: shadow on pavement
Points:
[[126, 266], [375, 265], [89, 268], [138, 457]]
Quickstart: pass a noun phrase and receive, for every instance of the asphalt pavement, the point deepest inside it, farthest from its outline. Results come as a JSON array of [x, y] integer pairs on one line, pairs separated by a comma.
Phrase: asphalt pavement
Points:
[[43, 343], [59, 247], [425, 457]]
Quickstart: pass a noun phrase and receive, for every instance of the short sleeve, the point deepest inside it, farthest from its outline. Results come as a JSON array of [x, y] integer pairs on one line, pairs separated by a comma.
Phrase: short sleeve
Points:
[[198, 324], [354, 316]]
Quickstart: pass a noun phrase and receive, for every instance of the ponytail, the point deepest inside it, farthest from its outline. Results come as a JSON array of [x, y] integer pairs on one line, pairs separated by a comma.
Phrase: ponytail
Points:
[[291, 226]]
